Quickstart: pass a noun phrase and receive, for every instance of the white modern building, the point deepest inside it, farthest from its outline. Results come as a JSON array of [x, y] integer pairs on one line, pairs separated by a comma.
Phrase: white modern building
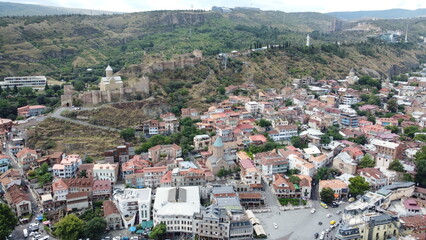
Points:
[[132, 203], [176, 207], [252, 107], [349, 100], [68, 166], [27, 81]]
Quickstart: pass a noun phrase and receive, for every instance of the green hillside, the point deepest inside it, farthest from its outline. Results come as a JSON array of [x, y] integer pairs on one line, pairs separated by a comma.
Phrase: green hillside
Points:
[[56, 45], [63, 47]]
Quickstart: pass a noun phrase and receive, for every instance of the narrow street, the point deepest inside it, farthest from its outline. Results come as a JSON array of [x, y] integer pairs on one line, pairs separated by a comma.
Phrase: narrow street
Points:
[[18, 231]]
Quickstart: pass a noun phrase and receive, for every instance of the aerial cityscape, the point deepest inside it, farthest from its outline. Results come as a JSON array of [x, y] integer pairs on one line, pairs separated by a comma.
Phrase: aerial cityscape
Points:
[[231, 123]]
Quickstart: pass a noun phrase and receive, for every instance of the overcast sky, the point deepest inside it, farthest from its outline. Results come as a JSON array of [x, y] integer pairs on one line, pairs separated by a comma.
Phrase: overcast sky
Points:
[[283, 5]]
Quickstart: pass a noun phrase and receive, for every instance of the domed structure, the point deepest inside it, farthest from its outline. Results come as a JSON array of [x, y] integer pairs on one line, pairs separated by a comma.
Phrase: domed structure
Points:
[[219, 160]]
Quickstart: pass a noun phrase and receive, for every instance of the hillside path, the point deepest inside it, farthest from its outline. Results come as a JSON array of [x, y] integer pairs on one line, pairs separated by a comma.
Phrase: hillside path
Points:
[[57, 114]]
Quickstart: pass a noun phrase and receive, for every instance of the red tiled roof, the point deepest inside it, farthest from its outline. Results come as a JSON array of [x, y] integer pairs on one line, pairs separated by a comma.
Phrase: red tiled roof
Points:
[[110, 208], [249, 195], [77, 195], [25, 151]]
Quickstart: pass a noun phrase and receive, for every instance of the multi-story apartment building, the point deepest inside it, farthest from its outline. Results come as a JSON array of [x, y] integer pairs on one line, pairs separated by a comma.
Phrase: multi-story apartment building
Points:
[[250, 175], [202, 142], [106, 171], [374, 177], [150, 127], [345, 163], [62, 187], [190, 112], [387, 122], [9, 178], [273, 164], [187, 174], [134, 204], [112, 215], [349, 120], [27, 81], [4, 163], [225, 132], [27, 158], [391, 149], [120, 154], [147, 177], [68, 166], [283, 188], [171, 123], [101, 189], [339, 187], [283, 132], [349, 99], [133, 165], [212, 223], [18, 200], [29, 111], [153, 175], [164, 152], [252, 107]]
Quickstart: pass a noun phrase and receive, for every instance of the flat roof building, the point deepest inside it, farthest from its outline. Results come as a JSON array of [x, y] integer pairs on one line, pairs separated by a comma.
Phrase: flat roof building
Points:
[[27, 81], [176, 207]]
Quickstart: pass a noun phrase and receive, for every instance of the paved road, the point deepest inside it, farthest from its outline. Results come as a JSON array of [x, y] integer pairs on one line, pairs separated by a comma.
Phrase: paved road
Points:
[[297, 224], [270, 199], [57, 114]]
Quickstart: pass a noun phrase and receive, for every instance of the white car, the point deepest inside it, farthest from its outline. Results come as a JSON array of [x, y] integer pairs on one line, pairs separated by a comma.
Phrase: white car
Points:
[[275, 225], [322, 235], [313, 210], [329, 215]]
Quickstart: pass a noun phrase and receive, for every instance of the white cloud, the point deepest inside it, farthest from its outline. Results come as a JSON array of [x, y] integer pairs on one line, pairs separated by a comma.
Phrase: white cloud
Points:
[[283, 5]]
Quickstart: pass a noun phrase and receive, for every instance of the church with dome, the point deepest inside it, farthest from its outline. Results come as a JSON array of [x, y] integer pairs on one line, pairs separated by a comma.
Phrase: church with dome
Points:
[[218, 160], [110, 82]]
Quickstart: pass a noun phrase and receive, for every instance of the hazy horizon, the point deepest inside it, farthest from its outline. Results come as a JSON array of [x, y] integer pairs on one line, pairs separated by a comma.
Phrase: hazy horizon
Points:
[[294, 6]]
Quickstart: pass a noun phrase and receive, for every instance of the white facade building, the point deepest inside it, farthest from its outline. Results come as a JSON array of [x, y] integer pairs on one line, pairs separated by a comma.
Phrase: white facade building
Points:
[[176, 206], [252, 107], [27, 81], [106, 171], [349, 100], [68, 166], [132, 203]]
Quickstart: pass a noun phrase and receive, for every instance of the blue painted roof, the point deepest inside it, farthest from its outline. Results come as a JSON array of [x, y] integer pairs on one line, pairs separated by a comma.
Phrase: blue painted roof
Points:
[[218, 142]]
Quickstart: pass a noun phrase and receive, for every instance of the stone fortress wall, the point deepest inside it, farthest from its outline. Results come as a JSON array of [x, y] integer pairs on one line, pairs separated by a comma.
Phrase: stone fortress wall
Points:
[[93, 97]]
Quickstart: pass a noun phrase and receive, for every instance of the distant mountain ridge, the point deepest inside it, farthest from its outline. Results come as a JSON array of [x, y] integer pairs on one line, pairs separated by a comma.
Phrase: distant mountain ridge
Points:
[[387, 14], [19, 9]]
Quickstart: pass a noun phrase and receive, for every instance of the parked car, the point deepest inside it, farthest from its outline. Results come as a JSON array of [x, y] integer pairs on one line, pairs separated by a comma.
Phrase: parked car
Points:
[[322, 235], [324, 205], [334, 205], [351, 199], [25, 231]]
